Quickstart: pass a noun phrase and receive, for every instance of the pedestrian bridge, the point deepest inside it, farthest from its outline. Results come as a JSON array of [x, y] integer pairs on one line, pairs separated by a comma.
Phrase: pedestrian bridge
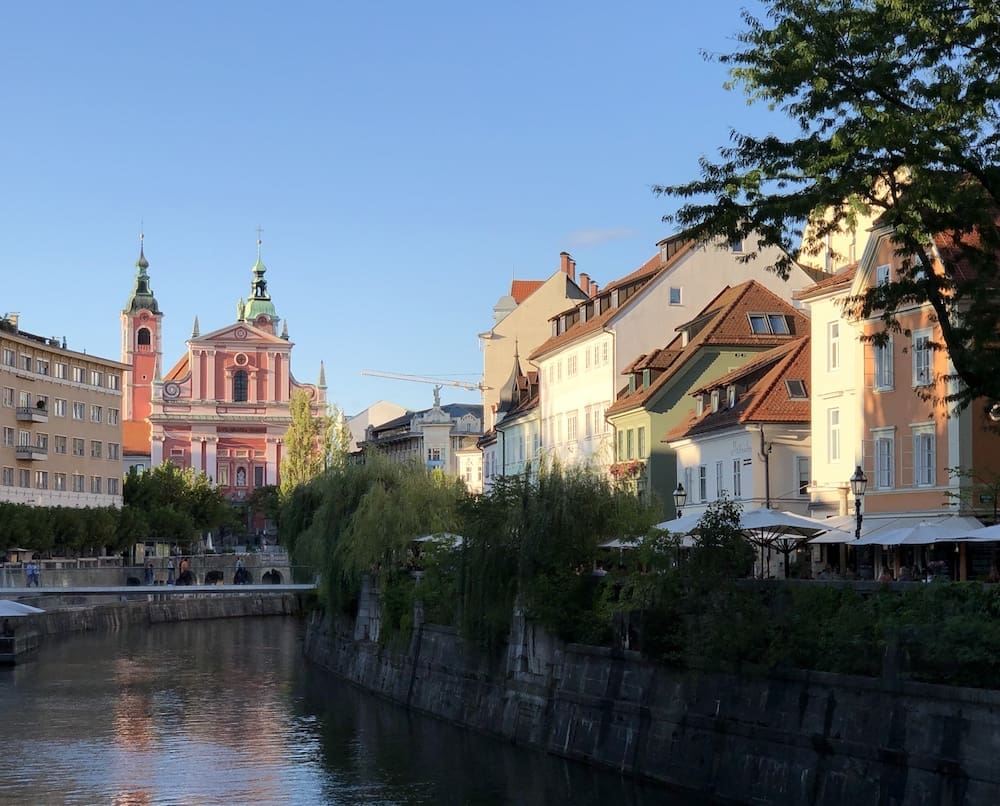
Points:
[[138, 591]]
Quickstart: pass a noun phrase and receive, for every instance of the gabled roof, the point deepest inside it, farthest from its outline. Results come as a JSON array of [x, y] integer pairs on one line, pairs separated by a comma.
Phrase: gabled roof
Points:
[[179, 371], [251, 334], [649, 270], [520, 290], [842, 278], [762, 394], [726, 324]]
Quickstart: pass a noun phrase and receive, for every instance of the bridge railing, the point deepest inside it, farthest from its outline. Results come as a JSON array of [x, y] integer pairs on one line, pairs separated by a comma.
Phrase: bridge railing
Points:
[[219, 572]]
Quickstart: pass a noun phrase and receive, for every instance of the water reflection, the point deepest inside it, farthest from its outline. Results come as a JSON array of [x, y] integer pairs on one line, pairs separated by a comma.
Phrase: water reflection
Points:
[[228, 712]]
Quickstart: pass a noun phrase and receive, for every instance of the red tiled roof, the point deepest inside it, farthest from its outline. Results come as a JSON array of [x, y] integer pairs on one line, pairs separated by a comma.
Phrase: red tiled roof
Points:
[[135, 437], [766, 398], [646, 272], [520, 290], [727, 325], [179, 371], [842, 277], [954, 252]]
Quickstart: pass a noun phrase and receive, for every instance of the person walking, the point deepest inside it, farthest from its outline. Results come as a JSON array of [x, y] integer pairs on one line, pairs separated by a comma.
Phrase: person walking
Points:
[[170, 571], [149, 572], [29, 573]]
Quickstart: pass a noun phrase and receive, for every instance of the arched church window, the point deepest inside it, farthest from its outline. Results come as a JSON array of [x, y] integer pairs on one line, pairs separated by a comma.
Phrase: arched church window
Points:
[[142, 337], [240, 386]]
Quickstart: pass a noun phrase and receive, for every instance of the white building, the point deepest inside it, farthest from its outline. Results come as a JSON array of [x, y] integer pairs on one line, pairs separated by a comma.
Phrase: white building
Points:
[[580, 365]]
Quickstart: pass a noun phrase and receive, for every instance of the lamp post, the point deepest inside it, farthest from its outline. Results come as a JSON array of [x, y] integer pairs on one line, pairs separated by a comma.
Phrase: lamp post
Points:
[[859, 483], [680, 498]]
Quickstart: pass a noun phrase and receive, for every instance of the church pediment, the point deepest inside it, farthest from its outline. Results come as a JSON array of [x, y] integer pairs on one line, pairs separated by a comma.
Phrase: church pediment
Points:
[[236, 334]]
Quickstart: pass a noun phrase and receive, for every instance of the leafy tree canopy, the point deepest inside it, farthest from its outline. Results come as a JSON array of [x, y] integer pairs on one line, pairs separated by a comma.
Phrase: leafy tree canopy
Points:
[[896, 108]]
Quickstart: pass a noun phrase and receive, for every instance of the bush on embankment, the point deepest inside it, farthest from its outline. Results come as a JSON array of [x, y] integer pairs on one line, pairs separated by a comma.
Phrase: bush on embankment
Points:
[[533, 545]]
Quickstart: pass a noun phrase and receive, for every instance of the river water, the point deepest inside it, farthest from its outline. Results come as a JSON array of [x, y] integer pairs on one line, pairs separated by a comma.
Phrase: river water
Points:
[[229, 712]]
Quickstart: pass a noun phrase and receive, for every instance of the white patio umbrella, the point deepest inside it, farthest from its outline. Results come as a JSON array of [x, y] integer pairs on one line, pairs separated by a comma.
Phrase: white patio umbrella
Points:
[[765, 528], [761, 521], [985, 534], [923, 533]]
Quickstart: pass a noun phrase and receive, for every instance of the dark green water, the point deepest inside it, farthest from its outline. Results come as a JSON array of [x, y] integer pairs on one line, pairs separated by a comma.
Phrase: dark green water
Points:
[[229, 712]]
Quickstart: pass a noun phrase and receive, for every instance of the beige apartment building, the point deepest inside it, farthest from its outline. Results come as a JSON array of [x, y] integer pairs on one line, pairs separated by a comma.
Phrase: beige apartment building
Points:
[[60, 423]]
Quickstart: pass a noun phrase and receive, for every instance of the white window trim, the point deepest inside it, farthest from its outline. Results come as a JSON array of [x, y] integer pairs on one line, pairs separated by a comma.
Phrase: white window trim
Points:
[[881, 383], [914, 352], [918, 432], [887, 434], [833, 346]]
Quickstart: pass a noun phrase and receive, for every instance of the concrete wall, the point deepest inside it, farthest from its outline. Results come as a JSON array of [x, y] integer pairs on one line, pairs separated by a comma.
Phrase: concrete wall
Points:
[[150, 610], [799, 738]]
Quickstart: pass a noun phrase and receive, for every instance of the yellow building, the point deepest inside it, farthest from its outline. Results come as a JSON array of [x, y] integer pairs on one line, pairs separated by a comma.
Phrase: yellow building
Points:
[[61, 422]]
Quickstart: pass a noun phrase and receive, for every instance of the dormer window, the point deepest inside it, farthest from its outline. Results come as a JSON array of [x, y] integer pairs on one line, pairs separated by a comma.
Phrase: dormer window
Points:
[[715, 400], [796, 389], [646, 376], [769, 323], [731, 395], [699, 405]]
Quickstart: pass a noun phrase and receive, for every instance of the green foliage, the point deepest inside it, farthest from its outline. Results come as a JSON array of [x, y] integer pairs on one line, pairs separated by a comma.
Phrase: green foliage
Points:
[[536, 541], [314, 443], [170, 503], [360, 519], [721, 553], [896, 116]]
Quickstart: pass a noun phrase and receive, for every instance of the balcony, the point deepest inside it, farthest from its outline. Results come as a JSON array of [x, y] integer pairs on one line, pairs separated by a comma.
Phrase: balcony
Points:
[[32, 414], [31, 452]]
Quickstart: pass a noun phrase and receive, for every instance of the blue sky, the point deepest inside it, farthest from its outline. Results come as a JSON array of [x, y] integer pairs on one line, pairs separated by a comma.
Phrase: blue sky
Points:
[[405, 161]]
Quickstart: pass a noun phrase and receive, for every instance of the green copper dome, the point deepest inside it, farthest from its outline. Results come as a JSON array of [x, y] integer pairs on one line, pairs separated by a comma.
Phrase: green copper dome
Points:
[[259, 301], [142, 294]]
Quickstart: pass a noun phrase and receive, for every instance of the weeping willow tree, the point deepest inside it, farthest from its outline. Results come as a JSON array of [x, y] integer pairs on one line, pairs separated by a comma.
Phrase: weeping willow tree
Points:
[[360, 519], [535, 542]]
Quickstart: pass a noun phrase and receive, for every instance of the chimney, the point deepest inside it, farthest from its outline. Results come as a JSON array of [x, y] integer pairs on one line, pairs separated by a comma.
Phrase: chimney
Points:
[[567, 265], [585, 283], [593, 289]]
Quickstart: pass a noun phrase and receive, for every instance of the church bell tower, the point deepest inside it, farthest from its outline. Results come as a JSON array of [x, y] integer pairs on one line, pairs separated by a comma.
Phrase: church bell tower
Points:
[[141, 343]]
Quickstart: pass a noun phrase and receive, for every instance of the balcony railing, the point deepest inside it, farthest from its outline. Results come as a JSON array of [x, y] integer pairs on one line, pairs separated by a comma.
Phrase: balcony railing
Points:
[[31, 452], [32, 414]]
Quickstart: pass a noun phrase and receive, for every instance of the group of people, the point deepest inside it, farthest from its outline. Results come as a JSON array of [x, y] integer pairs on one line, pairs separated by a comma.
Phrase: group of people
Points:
[[32, 574], [184, 575]]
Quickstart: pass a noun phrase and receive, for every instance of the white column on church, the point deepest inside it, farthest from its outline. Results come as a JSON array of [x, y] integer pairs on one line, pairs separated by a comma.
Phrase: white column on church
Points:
[[210, 392], [211, 457], [156, 451], [252, 386], [271, 455], [196, 374], [270, 380]]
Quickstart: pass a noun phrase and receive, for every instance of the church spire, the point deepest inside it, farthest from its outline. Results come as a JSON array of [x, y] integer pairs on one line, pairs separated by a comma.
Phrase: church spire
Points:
[[142, 295], [259, 302], [195, 330], [322, 376]]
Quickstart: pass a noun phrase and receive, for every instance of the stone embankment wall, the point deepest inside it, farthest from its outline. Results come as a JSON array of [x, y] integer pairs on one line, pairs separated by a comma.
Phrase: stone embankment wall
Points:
[[155, 610], [797, 738]]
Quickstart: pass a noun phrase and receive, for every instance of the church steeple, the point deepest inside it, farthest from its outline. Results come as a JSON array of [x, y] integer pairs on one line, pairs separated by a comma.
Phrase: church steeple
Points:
[[259, 303], [142, 295], [141, 342]]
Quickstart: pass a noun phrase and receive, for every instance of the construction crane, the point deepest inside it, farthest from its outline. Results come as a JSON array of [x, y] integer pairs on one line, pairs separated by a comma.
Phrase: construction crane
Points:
[[438, 382]]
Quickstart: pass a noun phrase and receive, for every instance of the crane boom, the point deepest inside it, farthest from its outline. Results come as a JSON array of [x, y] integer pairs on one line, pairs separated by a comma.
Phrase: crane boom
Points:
[[472, 387]]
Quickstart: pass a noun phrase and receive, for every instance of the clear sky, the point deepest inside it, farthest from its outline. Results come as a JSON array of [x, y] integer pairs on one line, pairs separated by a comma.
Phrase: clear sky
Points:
[[404, 159]]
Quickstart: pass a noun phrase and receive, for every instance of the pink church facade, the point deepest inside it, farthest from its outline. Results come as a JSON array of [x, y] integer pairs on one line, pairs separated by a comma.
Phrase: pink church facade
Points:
[[223, 408]]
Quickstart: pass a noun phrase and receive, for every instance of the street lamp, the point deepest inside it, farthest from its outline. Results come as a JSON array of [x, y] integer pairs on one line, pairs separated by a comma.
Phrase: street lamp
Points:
[[680, 498], [859, 483]]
